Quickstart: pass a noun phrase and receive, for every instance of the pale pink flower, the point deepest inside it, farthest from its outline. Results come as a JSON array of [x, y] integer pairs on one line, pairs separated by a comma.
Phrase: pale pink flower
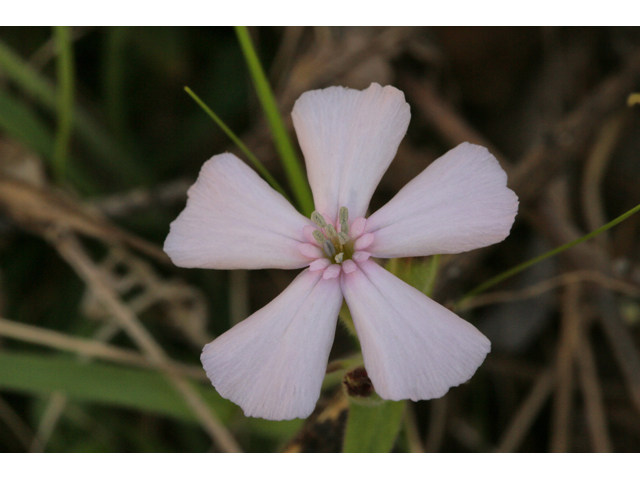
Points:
[[273, 363]]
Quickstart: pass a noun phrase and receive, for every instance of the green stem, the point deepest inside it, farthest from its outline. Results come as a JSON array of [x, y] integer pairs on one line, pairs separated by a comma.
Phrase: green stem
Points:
[[432, 272], [518, 268], [256, 163], [65, 71], [288, 157]]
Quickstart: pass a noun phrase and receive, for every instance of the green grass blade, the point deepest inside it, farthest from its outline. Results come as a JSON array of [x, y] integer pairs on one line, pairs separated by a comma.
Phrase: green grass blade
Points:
[[234, 138], [114, 157], [119, 386], [128, 387], [65, 68], [288, 157], [373, 429], [523, 266], [20, 123]]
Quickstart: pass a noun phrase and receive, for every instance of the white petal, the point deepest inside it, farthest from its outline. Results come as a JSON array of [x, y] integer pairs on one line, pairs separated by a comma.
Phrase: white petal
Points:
[[235, 220], [272, 364], [413, 348], [458, 203], [349, 138]]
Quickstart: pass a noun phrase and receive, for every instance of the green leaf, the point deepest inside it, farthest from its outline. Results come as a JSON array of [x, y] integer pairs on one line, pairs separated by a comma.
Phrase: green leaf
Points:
[[19, 122], [129, 387], [373, 429], [102, 146], [120, 386]]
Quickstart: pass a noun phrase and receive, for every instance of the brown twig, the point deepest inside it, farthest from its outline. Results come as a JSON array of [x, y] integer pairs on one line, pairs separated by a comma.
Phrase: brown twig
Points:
[[16, 425], [37, 207], [72, 251], [569, 344], [89, 348], [523, 419], [437, 424], [564, 279], [592, 394], [597, 161]]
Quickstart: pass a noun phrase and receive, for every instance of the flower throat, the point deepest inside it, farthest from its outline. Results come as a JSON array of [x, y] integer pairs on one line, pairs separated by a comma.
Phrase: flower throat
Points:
[[337, 245]]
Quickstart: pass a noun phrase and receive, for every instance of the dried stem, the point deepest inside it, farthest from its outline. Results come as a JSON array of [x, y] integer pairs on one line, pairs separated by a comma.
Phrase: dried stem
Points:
[[72, 251], [523, 419]]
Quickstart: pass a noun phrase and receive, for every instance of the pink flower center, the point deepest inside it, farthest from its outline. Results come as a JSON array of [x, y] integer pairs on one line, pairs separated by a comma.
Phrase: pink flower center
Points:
[[336, 247]]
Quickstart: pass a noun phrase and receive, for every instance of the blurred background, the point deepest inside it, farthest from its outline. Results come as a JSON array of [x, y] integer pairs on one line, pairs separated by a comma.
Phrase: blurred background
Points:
[[100, 335]]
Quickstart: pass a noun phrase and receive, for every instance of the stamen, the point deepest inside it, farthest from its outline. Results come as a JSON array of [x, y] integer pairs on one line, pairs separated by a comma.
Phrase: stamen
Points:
[[339, 257], [319, 237], [331, 231], [329, 249], [343, 217], [318, 219], [343, 238]]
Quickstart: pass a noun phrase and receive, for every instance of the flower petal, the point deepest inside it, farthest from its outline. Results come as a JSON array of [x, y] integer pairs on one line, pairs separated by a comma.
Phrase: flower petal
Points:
[[272, 364], [235, 220], [458, 203], [413, 348], [349, 138]]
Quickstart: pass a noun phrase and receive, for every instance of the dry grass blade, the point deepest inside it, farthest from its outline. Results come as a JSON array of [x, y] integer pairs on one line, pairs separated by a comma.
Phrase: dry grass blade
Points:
[[89, 348], [14, 422], [442, 116], [597, 162], [562, 411], [523, 419], [437, 424], [72, 251], [592, 394], [52, 413], [568, 278], [36, 207]]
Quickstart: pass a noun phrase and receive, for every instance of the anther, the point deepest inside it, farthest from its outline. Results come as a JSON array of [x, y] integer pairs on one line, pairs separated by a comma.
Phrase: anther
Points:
[[343, 217], [331, 231], [329, 249], [318, 219], [339, 257], [343, 238], [319, 237]]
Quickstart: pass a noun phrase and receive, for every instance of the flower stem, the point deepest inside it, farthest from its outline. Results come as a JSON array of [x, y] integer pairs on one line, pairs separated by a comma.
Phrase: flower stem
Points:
[[256, 163], [518, 268], [288, 157]]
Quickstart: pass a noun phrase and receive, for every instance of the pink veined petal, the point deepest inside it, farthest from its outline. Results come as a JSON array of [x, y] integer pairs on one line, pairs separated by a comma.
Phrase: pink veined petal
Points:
[[235, 220], [272, 364], [349, 138], [413, 348], [458, 203]]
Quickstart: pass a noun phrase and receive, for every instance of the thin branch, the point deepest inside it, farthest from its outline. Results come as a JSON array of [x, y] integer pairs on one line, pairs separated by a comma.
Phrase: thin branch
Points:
[[523, 419], [72, 251], [90, 348], [538, 289]]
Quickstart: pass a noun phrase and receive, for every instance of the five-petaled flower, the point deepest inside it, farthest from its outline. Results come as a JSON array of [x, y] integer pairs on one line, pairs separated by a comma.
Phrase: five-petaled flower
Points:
[[273, 363]]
